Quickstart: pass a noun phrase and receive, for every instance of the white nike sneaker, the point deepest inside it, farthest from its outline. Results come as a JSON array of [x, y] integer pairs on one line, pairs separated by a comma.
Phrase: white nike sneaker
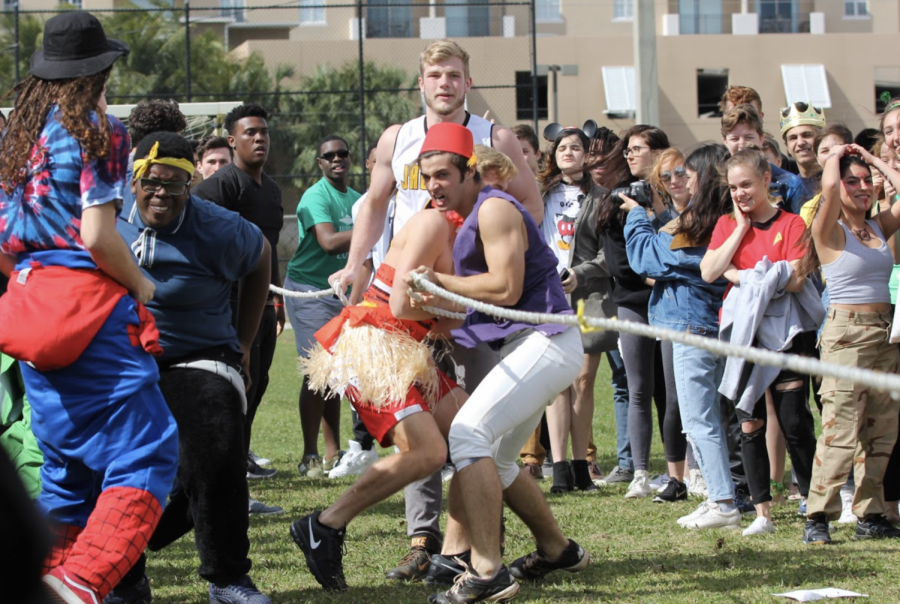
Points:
[[760, 526], [640, 486], [659, 481], [354, 462], [711, 516]]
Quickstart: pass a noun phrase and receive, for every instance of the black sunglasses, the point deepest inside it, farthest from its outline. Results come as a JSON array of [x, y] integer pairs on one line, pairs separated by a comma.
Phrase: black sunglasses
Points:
[[175, 189], [678, 172], [342, 154]]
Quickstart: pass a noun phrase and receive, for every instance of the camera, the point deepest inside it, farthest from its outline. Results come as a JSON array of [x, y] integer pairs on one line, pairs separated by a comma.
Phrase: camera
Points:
[[639, 191]]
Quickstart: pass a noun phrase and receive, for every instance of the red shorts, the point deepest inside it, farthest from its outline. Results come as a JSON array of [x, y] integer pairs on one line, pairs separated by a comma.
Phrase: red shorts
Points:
[[379, 421]]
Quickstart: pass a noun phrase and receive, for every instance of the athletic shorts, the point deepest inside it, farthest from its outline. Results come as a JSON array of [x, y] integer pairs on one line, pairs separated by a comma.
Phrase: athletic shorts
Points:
[[379, 421]]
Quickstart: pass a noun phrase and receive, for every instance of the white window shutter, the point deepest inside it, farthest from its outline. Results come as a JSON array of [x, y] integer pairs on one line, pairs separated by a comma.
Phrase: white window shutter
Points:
[[806, 83], [618, 86]]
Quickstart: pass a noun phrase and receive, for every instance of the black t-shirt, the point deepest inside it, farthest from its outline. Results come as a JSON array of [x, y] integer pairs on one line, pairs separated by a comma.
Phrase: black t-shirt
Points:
[[259, 204]]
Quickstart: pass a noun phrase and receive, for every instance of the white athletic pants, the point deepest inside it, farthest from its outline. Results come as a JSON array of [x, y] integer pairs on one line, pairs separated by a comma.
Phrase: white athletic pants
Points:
[[506, 407]]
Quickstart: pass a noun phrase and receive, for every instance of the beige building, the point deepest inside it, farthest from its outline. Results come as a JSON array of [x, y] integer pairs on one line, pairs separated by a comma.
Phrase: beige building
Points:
[[835, 53]]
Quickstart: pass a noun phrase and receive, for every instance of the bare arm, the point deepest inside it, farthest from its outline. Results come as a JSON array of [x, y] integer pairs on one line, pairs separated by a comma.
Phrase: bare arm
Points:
[[716, 262], [363, 278], [333, 242], [369, 224], [502, 232], [422, 247], [825, 231], [798, 279], [524, 186], [252, 301], [7, 264], [111, 253]]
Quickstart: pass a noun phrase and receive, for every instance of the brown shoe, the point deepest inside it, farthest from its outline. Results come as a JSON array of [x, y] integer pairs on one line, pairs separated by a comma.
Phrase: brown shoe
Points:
[[414, 565], [534, 470], [595, 471]]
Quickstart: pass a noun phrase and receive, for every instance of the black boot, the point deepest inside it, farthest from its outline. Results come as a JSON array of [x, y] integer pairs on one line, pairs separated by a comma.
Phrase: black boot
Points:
[[563, 481], [583, 480]]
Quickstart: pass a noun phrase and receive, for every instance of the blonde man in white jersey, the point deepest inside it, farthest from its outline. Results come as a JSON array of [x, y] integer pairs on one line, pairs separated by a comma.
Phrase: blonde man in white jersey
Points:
[[444, 81]]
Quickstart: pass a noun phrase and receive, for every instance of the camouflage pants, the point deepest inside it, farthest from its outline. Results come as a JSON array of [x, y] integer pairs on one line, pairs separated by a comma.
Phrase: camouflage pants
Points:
[[859, 425]]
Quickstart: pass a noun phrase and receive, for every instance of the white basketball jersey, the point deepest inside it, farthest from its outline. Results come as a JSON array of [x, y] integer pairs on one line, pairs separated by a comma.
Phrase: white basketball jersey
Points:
[[411, 195]]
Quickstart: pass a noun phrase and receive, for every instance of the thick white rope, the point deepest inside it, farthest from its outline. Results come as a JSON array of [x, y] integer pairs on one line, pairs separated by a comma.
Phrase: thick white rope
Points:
[[800, 364], [325, 293]]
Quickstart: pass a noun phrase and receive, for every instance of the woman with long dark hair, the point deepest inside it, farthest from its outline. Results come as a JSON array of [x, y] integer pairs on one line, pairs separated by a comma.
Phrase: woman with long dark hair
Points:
[[73, 312], [570, 206], [631, 159], [682, 300]]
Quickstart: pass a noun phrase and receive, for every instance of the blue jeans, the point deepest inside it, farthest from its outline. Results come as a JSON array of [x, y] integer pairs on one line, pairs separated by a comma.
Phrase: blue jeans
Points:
[[620, 398], [697, 376]]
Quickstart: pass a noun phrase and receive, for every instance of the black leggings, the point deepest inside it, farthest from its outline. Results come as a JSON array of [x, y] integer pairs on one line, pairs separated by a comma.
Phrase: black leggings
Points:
[[796, 421]]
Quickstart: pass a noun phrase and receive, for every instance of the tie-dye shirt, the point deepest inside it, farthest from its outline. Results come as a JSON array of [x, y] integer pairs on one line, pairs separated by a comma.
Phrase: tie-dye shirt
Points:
[[44, 211]]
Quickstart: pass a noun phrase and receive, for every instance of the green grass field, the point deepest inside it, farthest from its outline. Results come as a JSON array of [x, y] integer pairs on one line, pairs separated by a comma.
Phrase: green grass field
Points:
[[640, 554]]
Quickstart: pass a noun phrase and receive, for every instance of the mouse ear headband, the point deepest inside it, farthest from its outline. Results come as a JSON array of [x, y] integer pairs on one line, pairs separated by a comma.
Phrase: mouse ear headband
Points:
[[553, 132]]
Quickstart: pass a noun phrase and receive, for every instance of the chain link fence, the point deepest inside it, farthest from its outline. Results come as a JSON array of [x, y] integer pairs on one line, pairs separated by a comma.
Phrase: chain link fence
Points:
[[348, 69]]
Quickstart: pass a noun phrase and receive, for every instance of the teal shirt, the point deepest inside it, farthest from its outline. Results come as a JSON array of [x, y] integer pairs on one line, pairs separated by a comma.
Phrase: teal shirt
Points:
[[321, 203]]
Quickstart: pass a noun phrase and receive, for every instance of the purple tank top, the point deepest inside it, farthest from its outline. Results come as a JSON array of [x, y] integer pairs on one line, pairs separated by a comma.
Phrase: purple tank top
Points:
[[542, 291]]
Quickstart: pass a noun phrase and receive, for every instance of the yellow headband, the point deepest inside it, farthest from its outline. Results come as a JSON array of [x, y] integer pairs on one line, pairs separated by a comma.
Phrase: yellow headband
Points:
[[142, 165]]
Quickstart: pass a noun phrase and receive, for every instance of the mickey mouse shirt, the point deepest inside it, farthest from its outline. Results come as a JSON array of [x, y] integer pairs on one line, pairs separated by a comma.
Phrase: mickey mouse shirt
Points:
[[560, 211]]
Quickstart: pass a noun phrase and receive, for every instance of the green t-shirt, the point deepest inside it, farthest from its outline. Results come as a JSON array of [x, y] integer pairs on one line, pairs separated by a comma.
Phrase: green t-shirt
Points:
[[311, 265]]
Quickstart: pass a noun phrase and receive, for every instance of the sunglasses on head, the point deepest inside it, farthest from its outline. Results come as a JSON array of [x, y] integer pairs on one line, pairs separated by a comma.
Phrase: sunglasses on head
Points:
[[341, 154], [678, 172]]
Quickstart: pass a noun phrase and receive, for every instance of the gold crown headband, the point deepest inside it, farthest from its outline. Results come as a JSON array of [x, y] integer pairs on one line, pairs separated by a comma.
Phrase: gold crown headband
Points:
[[792, 116]]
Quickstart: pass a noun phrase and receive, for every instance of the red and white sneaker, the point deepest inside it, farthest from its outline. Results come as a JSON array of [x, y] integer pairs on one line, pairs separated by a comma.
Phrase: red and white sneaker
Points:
[[67, 588]]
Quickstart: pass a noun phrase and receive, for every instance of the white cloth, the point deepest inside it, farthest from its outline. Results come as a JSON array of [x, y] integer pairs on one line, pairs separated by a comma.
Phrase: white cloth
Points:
[[558, 226], [381, 246], [506, 407], [759, 309]]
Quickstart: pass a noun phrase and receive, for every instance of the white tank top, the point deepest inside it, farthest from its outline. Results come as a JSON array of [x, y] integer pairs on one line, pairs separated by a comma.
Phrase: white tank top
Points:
[[411, 195]]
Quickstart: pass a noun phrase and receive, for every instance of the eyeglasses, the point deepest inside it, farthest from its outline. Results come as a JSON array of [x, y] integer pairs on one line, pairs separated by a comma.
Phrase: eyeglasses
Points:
[[174, 189], [342, 154], [636, 150], [678, 172]]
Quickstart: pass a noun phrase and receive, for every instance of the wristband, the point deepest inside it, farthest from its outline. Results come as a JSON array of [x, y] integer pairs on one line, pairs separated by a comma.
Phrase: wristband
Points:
[[279, 305]]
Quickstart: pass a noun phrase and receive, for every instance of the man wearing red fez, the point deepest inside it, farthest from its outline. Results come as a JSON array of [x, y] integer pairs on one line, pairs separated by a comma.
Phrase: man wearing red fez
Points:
[[499, 257], [374, 354]]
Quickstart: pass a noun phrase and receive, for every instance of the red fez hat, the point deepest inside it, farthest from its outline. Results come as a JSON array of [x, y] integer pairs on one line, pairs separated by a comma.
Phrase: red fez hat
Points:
[[449, 137]]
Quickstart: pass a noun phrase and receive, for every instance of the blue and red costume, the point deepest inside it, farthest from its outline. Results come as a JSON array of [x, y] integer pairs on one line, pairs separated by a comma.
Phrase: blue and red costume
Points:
[[109, 441]]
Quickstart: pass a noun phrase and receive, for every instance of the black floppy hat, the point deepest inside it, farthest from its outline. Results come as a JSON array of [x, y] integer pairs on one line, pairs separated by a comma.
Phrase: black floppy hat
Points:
[[75, 46]]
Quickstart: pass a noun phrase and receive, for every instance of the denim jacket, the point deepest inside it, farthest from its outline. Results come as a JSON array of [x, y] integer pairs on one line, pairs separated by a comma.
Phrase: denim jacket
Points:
[[680, 299]]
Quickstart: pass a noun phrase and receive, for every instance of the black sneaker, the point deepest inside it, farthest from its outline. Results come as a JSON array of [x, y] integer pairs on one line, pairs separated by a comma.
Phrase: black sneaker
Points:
[[816, 531], [139, 593], [443, 570], [324, 550], [469, 587], [535, 566], [876, 527], [673, 491], [414, 565], [255, 471]]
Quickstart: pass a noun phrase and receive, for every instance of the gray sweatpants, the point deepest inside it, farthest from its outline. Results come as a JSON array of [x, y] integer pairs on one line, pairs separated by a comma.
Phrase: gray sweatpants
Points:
[[425, 498]]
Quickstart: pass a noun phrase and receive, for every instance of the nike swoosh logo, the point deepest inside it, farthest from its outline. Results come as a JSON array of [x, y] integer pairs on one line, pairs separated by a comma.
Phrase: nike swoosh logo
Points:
[[312, 540]]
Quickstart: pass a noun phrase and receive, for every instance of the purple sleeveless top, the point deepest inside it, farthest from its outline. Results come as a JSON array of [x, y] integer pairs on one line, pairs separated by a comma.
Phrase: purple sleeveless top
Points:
[[542, 290]]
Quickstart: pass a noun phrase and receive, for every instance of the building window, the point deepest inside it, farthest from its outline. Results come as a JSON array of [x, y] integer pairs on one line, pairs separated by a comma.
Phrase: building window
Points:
[[856, 8], [806, 84], [391, 20], [623, 9], [711, 85], [75, 3], [525, 96], [618, 86], [312, 12], [700, 16], [547, 10], [778, 16], [467, 21], [233, 9]]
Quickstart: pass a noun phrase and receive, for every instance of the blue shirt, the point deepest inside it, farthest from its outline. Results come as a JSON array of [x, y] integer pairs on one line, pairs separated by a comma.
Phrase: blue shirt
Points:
[[44, 211], [792, 190], [193, 263]]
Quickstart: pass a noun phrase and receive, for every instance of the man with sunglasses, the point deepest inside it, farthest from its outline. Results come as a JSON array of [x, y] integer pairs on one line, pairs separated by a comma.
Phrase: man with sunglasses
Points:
[[324, 222], [243, 187]]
